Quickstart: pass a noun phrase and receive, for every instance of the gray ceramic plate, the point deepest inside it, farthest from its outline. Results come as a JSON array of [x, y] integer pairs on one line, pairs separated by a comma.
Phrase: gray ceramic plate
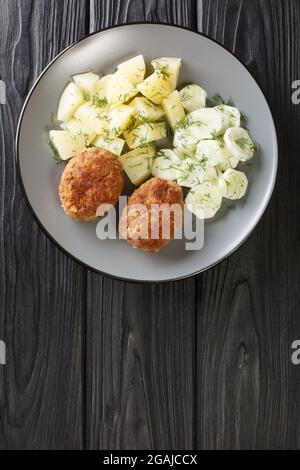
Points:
[[205, 63]]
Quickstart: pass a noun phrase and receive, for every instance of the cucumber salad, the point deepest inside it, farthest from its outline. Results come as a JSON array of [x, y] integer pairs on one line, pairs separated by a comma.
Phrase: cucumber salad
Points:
[[157, 130]]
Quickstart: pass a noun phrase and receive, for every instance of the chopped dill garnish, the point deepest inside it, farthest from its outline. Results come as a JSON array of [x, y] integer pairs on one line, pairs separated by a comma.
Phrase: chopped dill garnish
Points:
[[53, 118], [185, 96], [144, 142], [243, 118], [55, 155], [98, 102], [217, 100], [242, 142], [86, 96], [185, 123], [162, 70], [116, 131], [203, 161], [131, 125], [144, 120]]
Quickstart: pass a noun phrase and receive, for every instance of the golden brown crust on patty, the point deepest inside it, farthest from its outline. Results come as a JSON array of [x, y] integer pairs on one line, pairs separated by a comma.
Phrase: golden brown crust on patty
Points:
[[91, 178], [135, 223]]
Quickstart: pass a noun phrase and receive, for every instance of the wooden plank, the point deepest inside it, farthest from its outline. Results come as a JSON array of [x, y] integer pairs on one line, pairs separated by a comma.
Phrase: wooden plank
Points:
[[42, 289], [140, 339], [247, 389], [110, 12]]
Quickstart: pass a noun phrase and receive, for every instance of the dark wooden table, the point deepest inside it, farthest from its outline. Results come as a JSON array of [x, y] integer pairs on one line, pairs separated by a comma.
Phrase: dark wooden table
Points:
[[202, 363]]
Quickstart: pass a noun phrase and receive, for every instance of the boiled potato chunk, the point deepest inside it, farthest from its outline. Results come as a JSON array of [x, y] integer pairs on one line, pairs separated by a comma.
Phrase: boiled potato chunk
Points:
[[86, 81], [173, 109], [76, 128], [138, 163], [119, 118], [120, 89], [193, 97], [145, 134], [156, 87], [100, 88], [113, 145], [134, 69], [168, 67], [71, 99], [147, 110], [91, 118], [66, 144]]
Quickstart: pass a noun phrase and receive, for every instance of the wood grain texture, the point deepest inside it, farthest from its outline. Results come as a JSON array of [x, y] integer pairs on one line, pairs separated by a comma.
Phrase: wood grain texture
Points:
[[140, 339], [247, 389], [42, 289], [140, 366], [104, 364], [111, 12]]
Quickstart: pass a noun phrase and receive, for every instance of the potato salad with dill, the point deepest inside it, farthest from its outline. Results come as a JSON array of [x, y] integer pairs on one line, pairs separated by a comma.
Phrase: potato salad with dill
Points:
[[156, 129]]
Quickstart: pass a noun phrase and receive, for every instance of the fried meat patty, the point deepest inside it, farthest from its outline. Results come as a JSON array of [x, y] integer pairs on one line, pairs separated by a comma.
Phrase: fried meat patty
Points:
[[93, 177], [153, 214]]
